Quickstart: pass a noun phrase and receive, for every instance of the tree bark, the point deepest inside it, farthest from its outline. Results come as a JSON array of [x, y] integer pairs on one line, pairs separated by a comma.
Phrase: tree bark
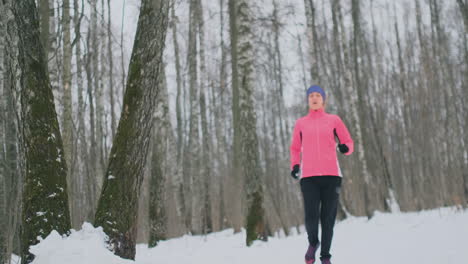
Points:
[[45, 198], [180, 123], [255, 225], [118, 204], [159, 169], [67, 117], [111, 70], [3, 182], [207, 164], [236, 181]]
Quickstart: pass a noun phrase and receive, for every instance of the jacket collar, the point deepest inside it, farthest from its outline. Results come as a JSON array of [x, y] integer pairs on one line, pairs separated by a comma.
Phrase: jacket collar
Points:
[[316, 113]]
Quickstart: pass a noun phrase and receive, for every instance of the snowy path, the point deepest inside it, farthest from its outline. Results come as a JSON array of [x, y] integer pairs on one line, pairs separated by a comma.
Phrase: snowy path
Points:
[[429, 237]]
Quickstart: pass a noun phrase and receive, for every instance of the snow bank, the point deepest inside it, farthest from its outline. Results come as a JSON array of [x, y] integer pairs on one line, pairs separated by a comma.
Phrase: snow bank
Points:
[[84, 246], [435, 236]]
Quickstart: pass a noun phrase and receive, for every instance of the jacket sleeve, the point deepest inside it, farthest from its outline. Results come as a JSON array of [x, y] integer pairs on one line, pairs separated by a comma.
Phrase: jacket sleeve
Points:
[[296, 145], [344, 136]]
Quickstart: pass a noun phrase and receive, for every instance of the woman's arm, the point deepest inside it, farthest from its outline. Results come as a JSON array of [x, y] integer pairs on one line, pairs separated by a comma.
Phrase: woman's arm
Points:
[[343, 135], [296, 143]]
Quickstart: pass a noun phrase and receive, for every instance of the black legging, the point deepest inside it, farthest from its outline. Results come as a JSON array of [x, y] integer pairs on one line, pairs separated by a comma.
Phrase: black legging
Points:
[[321, 195]]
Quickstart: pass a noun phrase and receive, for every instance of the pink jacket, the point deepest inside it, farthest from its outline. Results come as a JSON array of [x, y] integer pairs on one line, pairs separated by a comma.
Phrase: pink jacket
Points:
[[314, 137]]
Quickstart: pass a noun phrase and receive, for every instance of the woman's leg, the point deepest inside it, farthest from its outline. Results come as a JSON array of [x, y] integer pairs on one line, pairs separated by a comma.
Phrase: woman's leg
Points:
[[329, 197], [311, 194]]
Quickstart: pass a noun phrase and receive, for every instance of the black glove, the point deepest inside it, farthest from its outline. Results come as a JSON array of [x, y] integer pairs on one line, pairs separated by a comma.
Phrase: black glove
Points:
[[295, 172], [343, 148]]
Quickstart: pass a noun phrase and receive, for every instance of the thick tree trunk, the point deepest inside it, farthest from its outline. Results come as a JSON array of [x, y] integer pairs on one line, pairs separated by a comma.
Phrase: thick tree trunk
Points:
[[118, 204], [45, 198]]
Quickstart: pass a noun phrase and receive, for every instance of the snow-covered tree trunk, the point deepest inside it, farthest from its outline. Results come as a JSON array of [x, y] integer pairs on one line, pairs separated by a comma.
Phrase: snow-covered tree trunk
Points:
[[118, 204], [45, 198], [255, 222]]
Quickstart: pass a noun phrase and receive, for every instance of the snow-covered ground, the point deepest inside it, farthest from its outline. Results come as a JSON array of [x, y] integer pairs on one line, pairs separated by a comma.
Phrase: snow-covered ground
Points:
[[435, 236]]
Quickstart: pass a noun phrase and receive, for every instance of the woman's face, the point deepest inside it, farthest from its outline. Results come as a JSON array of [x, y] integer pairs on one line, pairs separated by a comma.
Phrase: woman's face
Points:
[[315, 101]]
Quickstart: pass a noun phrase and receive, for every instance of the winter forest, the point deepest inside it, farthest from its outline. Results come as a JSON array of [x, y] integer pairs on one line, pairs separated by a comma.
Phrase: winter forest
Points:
[[160, 118]]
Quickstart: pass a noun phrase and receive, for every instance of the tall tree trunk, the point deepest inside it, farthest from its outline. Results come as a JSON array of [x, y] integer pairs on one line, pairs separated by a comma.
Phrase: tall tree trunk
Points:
[[283, 123], [3, 182], [91, 72], [99, 67], [93, 179], [96, 90], [82, 188], [159, 173], [220, 149], [118, 204], [44, 13], [312, 36], [359, 86], [180, 124], [67, 117], [463, 5], [45, 198], [52, 51], [111, 70], [192, 176], [10, 160], [255, 224], [235, 181], [11, 172], [207, 164]]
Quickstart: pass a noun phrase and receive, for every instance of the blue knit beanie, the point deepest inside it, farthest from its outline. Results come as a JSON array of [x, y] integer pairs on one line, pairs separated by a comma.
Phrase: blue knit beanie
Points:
[[318, 89]]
